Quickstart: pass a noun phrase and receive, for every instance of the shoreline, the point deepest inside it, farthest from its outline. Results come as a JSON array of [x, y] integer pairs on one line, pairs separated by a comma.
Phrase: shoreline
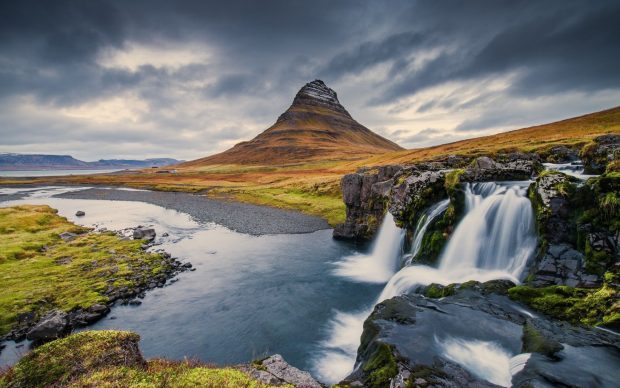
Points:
[[238, 216]]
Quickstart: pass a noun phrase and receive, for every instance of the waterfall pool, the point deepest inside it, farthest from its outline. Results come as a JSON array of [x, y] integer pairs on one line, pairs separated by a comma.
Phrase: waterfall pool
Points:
[[249, 296]]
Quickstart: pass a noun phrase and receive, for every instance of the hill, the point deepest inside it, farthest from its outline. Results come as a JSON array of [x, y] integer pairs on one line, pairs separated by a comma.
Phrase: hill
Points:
[[19, 162], [314, 186], [315, 127]]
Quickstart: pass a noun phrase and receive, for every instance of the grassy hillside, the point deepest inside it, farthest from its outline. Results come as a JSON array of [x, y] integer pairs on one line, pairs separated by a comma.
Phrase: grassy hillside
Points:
[[313, 186]]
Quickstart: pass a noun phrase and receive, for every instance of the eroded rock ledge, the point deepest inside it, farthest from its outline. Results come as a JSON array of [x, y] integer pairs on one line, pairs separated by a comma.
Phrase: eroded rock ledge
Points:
[[406, 339]]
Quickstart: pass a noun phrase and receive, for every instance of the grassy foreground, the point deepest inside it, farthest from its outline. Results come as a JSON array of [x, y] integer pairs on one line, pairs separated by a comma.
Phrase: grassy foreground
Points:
[[40, 272], [113, 359]]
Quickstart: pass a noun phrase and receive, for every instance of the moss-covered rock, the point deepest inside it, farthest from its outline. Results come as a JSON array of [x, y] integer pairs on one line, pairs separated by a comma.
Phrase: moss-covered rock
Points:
[[536, 342], [597, 154], [59, 362], [576, 305], [381, 367]]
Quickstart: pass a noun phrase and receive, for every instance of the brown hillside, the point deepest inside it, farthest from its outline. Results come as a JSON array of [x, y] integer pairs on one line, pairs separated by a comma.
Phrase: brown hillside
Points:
[[315, 127]]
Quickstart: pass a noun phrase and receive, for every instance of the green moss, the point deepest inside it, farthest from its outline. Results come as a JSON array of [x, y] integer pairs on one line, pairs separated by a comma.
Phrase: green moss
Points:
[[38, 277], [535, 342], [381, 367], [58, 362], [596, 261], [576, 305], [435, 290], [613, 166], [113, 359]]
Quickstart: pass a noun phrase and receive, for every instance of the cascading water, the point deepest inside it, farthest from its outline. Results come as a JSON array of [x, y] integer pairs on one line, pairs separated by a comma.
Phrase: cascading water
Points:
[[382, 263], [494, 240], [423, 223]]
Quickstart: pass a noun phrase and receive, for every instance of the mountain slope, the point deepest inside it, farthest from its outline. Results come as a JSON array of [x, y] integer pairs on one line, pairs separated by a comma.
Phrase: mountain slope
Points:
[[316, 126]]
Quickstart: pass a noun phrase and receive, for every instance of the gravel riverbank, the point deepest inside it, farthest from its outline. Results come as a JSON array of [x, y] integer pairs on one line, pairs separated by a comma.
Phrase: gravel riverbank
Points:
[[241, 217]]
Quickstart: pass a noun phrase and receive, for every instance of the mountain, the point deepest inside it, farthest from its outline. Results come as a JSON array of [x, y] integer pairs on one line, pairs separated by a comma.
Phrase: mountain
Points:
[[315, 127], [65, 162]]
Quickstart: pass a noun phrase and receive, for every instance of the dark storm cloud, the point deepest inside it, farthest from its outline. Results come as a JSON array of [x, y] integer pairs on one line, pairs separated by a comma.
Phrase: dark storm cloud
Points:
[[258, 53]]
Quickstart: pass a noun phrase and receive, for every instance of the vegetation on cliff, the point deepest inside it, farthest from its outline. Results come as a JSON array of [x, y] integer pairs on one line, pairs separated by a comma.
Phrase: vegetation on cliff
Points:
[[40, 271]]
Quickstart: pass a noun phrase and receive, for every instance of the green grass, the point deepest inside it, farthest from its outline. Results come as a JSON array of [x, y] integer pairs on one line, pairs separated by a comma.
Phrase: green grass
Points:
[[328, 206], [112, 359], [40, 272]]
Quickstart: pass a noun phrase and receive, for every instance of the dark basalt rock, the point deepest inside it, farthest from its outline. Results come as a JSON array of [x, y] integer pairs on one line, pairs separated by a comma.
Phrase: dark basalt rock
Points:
[[50, 327], [600, 152], [408, 190], [147, 234], [413, 329], [365, 195], [485, 169]]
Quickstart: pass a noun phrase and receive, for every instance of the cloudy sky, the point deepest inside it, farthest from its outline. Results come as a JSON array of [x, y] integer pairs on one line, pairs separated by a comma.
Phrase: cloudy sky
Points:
[[190, 78]]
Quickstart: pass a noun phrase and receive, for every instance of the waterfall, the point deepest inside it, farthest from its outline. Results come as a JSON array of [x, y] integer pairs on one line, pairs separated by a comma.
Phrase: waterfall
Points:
[[382, 263], [494, 240], [574, 168], [423, 223], [497, 232]]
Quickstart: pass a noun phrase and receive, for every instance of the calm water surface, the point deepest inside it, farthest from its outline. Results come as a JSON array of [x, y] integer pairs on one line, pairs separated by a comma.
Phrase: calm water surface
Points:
[[249, 295]]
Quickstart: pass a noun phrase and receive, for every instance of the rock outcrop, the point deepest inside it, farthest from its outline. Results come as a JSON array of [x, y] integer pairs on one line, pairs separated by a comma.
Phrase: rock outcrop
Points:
[[50, 327], [408, 190], [274, 370], [598, 154], [366, 195], [578, 240], [413, 340]]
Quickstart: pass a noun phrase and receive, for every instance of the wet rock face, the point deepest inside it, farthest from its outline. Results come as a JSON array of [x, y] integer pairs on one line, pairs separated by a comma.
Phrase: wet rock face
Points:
[[275, 371], [598, 154], [419, 332], [408, 190], [365, 195]]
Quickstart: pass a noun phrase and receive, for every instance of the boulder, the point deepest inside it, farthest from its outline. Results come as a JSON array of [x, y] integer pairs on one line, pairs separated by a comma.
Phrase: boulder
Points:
[[80, 213], [67, 236], [275, 371], [147, 234], [51, 326], [600, 152], [485, 169]]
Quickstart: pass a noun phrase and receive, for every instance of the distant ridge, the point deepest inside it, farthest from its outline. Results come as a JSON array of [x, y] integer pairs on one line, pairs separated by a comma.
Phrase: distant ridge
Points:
[[315, 127], [10, 161]]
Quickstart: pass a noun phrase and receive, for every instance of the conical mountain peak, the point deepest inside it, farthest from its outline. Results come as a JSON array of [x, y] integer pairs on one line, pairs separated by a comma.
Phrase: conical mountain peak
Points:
[[315, 127], [316, 94]]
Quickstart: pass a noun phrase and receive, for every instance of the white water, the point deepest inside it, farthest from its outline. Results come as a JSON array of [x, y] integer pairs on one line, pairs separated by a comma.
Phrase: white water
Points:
[[486, 360], [494, 240], [382, 263], [423, 223], [575, 169]]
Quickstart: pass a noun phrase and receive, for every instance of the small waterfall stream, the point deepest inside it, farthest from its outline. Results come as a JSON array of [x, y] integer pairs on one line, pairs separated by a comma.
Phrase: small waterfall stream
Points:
[[382, 263], [494, 240]]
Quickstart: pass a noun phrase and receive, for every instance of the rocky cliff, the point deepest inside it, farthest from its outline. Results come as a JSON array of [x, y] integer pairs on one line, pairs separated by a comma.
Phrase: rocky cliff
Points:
[[421, 338]]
